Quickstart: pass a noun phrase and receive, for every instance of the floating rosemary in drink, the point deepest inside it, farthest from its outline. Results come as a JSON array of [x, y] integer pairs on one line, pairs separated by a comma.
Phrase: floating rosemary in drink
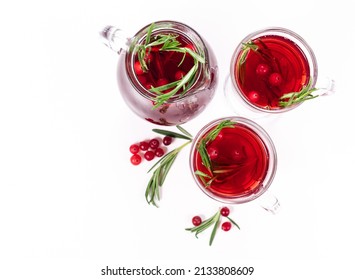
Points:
[[166, 64], [273, 72]]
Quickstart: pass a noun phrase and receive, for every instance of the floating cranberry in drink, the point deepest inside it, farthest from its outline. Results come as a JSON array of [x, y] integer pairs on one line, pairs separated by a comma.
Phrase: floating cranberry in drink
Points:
[[233, 160], [167, 74], [274, 70]]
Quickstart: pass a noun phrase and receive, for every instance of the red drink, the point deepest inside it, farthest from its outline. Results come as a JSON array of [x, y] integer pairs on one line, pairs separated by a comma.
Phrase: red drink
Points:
[[242, 161], [168, 74], [268, 67], [164, 67]]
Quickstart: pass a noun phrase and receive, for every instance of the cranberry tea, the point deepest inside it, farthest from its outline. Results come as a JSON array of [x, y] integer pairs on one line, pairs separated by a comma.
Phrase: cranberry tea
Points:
[[233, 160], [168, 73], [274, 70]]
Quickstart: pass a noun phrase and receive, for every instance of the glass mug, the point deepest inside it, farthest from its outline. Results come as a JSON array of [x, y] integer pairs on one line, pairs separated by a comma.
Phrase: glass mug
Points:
[[273, 70], [160, 58], [242, 162]]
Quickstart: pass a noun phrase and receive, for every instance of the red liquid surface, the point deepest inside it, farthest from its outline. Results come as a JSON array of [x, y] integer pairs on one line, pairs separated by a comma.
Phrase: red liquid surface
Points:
[[277, 67], [240, 151], [164, 66]]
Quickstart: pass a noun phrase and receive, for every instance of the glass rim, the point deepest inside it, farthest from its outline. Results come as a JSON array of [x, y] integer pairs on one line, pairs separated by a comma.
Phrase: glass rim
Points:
[[268, 144], [289, 34]]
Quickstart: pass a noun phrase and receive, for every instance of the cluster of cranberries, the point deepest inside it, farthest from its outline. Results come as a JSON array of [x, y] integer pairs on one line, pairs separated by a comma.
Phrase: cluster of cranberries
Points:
[[149, 149], [274, 79], [226, 226]]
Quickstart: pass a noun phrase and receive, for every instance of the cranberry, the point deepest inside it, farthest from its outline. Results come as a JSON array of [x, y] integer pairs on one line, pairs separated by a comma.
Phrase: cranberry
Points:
[[144, 146], [162, 82], [275, 79], [238, 154], [254, 96], [154, 143], [149, 155], [159, 152], [226, 226], [167, 140], [262, 69], [219, 136], [212, 152], [179, 75], [148, 86], [190, 46], [196, 221], [138, 68], [225, 211], [134, 149], [136, 159]]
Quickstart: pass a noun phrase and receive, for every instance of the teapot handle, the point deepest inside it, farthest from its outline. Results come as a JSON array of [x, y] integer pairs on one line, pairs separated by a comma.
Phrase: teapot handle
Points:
[[115, 38]]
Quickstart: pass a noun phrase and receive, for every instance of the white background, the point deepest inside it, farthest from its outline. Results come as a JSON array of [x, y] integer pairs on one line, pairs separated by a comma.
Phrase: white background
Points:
[[71, 202]]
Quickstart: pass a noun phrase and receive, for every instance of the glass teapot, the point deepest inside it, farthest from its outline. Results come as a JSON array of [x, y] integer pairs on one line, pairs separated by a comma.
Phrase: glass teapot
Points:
[[167, 73]]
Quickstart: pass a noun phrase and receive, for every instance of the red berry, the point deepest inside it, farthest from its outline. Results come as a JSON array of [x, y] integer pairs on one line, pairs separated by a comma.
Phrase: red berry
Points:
[[262, 69], [179, 75], [219, 137], [190, 46], [154, 143], [225, 211], [167, 140], [238, 154], [159, 152], [138, 68], [212, 152], [226, 226], [134, 149], [136, 159], [149, 155], [162, 82], [142, 79], [275, 79], [196, 221], [148, 86], [144, 146], [254, 96]]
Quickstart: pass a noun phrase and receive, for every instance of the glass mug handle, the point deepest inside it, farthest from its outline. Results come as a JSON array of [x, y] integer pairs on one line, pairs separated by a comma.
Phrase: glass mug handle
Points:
[[269, 202], [115, 38], [325, 86]]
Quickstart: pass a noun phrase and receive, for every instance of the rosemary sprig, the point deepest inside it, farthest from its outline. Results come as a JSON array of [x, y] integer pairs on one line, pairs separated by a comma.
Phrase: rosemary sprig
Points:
[[214, 220], [202, 149], [168, 42], [163, 166], [245, 50], [292, 98]]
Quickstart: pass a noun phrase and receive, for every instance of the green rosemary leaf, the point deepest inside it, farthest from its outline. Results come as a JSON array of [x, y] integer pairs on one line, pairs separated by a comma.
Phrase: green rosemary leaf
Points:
[[202, 174], [233, 222], [216, 221], [246, 48], [183, 130], [161, 160], [204, 225], [168, 42], [292, 98], [196, 56], [162, 168], [172, 134], [202, 149], [149, 33], [165, 169], [204, 154]]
